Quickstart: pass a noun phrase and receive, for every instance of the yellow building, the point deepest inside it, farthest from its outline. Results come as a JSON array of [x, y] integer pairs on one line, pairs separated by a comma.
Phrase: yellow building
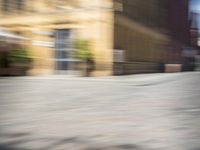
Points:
[[51, 27]]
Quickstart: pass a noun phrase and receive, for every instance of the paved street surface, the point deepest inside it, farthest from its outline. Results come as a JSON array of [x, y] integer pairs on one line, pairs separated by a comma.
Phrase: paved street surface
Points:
[[139, 112]]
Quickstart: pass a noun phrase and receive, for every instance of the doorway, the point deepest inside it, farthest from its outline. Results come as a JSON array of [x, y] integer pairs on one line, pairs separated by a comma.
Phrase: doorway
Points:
[[63, 50]]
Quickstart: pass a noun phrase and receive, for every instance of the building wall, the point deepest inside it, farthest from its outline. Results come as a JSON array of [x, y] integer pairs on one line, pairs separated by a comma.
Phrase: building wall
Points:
[[150, 32], [87, 20], [179, 25], [151, 13], [141, 32]]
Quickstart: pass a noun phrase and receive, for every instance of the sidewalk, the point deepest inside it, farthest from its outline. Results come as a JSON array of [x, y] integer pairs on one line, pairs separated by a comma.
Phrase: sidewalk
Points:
[[136, 79]]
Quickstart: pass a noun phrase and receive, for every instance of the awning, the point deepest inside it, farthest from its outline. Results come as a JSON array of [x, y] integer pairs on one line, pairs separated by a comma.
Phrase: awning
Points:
[[10, 35], [8, 40]]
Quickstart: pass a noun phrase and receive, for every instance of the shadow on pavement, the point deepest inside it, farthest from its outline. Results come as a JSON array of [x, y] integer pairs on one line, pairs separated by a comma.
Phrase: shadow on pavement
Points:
[[15, 141]]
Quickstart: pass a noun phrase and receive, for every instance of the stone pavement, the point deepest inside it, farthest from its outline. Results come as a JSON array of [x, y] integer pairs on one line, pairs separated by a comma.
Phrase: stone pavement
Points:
[[141, 112]]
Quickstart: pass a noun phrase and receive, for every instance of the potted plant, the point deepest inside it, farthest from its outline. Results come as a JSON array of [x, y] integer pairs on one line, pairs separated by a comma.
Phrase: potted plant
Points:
[[83, 52], [19, 61]]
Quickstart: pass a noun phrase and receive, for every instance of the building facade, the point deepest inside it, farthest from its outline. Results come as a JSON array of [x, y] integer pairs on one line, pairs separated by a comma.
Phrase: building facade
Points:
[[52, 26], [150, 33], [138, 36], [179, 28]]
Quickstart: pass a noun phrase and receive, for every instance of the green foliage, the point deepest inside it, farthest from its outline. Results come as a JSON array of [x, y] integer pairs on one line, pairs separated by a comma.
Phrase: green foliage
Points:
[[2, 61], [19, 56], [83, 50]]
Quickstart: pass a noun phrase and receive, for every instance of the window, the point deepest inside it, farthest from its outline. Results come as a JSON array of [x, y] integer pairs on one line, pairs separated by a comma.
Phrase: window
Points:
[[12, 6], [6, 5], [19, 5], [63, 49]]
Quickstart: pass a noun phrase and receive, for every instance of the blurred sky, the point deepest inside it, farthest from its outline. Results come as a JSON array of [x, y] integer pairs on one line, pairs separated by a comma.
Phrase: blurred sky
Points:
[[195, 5]]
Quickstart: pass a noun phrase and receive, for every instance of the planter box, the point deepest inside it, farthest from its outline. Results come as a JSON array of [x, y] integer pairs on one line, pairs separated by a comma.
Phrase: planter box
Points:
[[171, 68], [17, 69], [14, 71]]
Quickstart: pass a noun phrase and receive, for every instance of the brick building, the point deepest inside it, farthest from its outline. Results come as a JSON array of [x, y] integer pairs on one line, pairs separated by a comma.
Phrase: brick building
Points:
[[150, 33]]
